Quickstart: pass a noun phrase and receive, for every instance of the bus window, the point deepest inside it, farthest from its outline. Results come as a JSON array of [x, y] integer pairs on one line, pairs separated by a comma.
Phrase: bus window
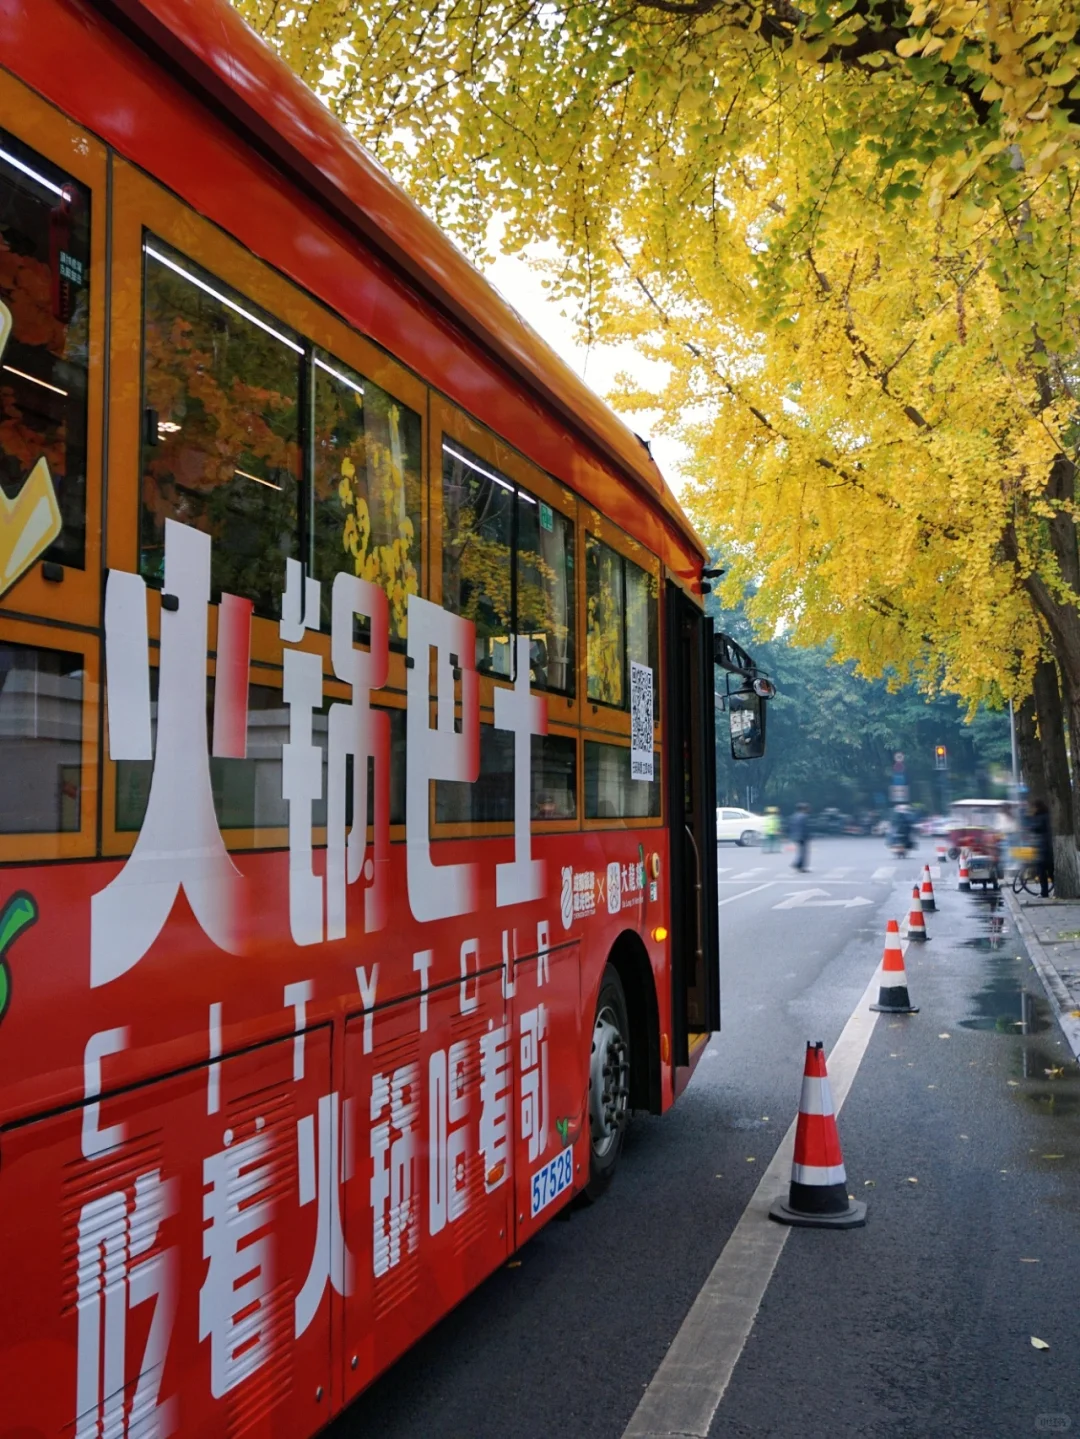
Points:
[[544, 562], [41, 698], [554, 777], [642, 627], [611, 792], [606, 618], [478, 517], [221, 451], [491, 799], [365, 516], [44, 328]]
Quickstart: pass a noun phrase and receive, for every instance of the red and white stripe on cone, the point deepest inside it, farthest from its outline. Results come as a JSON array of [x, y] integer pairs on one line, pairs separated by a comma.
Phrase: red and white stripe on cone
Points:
[[963, 878], [893, 997], [916, 925], [926, 893], [818, 1195], [942, 854]]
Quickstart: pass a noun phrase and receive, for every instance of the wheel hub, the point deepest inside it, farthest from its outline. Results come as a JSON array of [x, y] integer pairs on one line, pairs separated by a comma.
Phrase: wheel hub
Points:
[[609, 1083]]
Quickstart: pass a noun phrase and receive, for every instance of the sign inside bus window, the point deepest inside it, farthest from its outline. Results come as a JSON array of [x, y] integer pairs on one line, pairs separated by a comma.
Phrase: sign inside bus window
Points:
[[641, 721], [180, 847]]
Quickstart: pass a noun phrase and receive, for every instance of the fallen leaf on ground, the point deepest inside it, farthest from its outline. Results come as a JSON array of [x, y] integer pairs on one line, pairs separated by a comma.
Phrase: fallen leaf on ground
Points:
[[963, 1136], [912, 1179], [945, 1036], [1039, 1343], [931, 1086], [1013, 1082], [1053, 1156], [869, 1184], [1074, 1013], [514, 1264], [751, 1159], [1055, 1073], [1029, 1261]]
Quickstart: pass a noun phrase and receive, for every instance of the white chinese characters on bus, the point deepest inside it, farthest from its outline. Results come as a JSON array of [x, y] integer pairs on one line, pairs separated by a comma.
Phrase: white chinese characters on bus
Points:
[[325, 1164], [179, 846], [115, 1232], [395, 1105], [438, 751], [234, 1302], [523, 714], [448, 1137], [356, 733], [496, 1071], [533, 1056]]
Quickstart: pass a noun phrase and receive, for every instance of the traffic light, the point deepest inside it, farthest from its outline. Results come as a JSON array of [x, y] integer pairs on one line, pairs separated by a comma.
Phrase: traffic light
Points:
[[941, 759]]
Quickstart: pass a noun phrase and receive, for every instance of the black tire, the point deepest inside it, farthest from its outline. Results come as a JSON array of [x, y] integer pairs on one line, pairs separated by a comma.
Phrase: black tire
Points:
[[609, 1067], [748, 837]]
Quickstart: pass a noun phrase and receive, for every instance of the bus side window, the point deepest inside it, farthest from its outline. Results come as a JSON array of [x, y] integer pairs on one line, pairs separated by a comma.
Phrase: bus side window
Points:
[[365, 513], [41, 705], [478, 519], [220, 444], [44, 357], [544, 565], [611, 792], [606, 622]]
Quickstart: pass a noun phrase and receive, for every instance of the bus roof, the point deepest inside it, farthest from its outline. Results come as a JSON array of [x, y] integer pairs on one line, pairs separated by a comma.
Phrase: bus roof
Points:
[[217, 52]]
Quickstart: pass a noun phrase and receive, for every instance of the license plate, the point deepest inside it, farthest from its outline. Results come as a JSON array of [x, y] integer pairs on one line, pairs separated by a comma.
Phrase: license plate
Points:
[[548, 1183]]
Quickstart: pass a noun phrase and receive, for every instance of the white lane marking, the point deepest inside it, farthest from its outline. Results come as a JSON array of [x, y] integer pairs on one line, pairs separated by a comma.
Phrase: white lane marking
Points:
[[796, 879], [686, 1390], [750, 873], [836, 873], [808, 899], [743, 893], [886, 871], [723, 869]]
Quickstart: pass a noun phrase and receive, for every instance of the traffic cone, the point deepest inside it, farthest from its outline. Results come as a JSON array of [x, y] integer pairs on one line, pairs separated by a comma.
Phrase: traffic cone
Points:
[[916, 925], [893, 995], [963, 881], [818, 1195], [927, 893], [942, 854]]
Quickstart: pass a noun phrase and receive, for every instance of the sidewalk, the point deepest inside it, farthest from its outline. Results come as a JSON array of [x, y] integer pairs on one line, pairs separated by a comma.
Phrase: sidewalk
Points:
[[1051, 930]]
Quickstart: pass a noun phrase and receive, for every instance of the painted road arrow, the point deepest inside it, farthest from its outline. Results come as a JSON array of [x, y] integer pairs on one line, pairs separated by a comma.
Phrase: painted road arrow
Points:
[[809, 899]]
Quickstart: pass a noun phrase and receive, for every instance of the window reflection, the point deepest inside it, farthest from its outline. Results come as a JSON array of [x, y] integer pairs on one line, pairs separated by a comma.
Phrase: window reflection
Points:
[[478, 517], [41, 694], [45, 289], [366, 511], [221, 452], [545, 592], [611, 792], [606, 620]]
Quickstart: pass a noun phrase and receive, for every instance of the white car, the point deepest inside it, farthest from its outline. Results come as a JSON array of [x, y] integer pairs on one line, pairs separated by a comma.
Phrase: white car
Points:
[[740, 826]]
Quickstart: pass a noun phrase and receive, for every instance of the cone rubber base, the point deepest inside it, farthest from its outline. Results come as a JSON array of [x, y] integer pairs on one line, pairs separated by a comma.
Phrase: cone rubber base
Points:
[[963, 885], [928, 906], [850, 1218], [896, 1008], [920, 936]]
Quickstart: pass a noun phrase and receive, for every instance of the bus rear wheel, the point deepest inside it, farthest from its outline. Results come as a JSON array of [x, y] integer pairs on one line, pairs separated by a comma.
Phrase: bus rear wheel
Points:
[[609, 1083]]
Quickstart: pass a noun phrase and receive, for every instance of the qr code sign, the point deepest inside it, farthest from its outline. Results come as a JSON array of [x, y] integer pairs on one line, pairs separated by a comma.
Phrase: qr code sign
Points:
[[641, 721]]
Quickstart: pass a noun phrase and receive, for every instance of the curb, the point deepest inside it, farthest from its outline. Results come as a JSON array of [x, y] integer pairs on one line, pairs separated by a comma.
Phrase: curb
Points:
[[1061, 1002]]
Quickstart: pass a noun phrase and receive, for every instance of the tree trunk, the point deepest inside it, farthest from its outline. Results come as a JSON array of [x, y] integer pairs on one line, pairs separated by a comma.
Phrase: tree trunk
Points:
[[1031, 760], [1058, 783]]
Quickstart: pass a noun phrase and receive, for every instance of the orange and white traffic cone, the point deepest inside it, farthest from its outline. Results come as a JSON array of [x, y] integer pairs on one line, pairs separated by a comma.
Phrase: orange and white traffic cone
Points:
[[963, 881], [916, 925], [926, 894], [942, 855], [893, 997], [818, 1195]]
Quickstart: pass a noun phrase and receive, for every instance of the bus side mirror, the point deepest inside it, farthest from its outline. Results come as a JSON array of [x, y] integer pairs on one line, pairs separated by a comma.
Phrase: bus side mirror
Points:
[[746, 718]]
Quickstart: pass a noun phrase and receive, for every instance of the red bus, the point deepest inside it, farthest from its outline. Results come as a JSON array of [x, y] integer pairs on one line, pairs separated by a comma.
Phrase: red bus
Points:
[[356, 731]]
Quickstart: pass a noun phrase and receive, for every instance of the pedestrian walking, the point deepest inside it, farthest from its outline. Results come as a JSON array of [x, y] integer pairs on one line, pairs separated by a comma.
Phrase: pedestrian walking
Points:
[[771, 842], [800, 833], [1038, 823]]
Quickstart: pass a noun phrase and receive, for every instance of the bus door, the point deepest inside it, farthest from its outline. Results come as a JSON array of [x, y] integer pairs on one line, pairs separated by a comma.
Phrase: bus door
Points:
[[691, 809]]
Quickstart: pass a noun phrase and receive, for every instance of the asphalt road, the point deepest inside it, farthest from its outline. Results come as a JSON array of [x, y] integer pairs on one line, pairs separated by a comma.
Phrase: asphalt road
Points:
[[959, 1131]]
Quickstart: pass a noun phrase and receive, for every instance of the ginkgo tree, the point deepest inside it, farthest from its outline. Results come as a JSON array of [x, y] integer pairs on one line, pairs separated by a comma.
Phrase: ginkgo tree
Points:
[[846, 227]]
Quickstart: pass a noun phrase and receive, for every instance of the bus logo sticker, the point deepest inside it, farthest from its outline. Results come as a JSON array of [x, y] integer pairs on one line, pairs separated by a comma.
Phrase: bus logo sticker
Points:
[[614, 887], [566, 898]]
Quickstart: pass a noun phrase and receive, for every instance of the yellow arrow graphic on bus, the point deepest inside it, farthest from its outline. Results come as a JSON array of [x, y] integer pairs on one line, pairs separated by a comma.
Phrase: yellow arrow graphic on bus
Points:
[[31, 521]]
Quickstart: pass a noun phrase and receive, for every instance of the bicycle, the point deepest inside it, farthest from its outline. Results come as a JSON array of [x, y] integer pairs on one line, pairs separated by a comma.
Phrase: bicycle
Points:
[[1027, 879]]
